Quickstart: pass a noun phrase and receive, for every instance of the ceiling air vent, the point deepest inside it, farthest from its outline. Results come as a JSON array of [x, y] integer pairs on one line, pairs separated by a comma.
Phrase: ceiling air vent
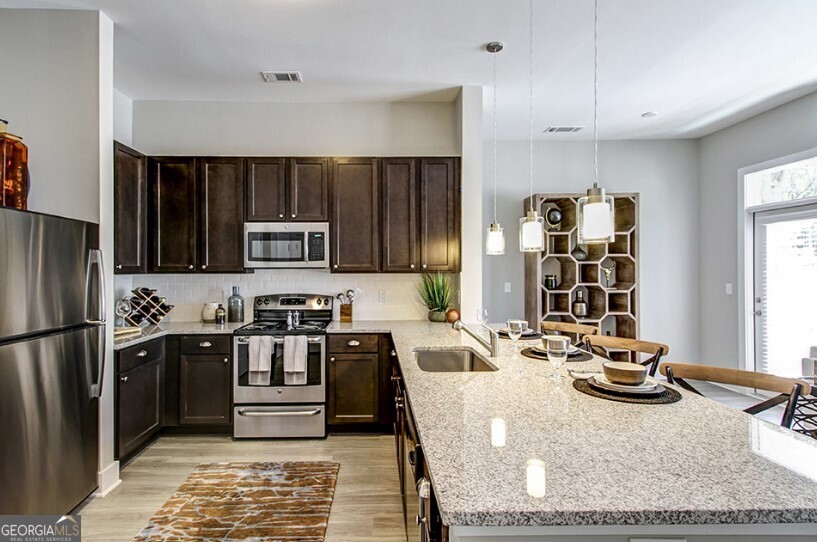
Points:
[[562, 129], [282, 77]]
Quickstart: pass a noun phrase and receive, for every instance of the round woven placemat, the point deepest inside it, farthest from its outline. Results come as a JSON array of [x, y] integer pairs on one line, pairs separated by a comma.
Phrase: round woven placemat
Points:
[[666, 397], [529, 337], [533, 354]]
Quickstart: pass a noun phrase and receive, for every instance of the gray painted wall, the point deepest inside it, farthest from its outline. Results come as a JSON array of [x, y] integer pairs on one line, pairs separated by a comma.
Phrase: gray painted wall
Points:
[[664, 172], [784, 130]]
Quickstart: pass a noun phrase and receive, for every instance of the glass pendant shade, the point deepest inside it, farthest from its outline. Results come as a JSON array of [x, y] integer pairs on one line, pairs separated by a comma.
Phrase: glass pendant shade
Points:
[[495, 240], [532, 232], [596, 217]]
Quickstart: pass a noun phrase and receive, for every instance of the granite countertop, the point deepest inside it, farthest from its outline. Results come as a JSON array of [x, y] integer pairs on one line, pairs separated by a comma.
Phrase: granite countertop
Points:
[[606, 463], [691, 462], [175, 328]]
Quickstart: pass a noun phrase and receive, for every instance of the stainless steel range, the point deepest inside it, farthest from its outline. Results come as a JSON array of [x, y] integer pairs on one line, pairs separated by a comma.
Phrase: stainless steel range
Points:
[[274, 406]]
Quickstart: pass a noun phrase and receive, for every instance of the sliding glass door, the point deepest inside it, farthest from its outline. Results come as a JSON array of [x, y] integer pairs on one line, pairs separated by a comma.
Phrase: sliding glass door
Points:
[[785, 288]]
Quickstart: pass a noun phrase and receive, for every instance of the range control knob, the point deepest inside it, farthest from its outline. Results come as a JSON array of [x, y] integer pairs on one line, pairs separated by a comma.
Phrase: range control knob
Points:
[[259, 301], [266, 301], [320, 301], [327, 301]]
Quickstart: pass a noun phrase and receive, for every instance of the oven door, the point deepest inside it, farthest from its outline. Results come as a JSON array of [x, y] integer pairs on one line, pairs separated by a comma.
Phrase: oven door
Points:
[[314, 391], [286, 245]]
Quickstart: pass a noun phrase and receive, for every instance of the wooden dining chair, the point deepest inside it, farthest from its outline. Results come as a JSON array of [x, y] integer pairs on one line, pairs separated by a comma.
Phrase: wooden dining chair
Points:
[[789, 389], [599, 344], [579, 330]]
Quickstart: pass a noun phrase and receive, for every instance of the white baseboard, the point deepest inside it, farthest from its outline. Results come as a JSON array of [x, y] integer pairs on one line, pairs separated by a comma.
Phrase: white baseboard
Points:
[[108, 479]]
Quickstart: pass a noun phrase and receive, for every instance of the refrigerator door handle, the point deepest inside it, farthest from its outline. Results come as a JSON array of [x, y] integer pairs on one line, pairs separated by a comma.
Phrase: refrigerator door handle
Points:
[[95, 260]]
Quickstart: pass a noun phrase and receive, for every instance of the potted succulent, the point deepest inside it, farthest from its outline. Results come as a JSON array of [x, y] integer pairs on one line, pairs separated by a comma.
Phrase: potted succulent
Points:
[[437, 294]]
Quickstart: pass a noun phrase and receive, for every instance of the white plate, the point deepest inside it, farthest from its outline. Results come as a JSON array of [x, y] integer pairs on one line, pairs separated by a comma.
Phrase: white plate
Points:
[[542, 350], [649, 385], [529, 331]]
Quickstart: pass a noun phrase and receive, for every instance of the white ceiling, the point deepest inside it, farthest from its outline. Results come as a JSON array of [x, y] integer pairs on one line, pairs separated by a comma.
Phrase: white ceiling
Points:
[[701, 64]]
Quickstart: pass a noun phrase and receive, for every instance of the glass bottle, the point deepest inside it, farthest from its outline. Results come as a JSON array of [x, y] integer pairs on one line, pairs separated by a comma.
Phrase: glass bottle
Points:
[[13, 169], [579, 304], [221, 314], [235, 307]]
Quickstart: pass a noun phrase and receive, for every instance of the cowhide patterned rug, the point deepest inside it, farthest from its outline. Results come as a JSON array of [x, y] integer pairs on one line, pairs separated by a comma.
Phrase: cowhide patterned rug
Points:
[[248, 501]]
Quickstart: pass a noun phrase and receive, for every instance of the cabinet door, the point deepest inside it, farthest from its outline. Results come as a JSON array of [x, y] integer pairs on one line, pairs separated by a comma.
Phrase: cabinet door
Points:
[[130, 210], [439, 215], [221, 215], [204, 396], [308, 190], [353, 388], [399, 214], [266, 190], [355, 227], [139, 405], [173, 221]]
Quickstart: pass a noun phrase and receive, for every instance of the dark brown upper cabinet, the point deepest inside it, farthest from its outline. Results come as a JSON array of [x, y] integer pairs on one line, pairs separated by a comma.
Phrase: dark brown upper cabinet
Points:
[[173, 217], [221, 215], [130, 210], [439, 215], [266, 190], [400, 240], [355, 229], [308, 190]]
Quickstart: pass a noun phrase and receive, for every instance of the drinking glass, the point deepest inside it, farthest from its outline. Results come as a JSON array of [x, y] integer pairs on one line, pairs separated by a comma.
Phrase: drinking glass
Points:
[[515, 329], [557, 354], [482, 315]]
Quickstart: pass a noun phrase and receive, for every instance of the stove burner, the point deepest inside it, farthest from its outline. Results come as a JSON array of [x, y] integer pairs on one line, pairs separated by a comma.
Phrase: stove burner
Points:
[[262, 327]]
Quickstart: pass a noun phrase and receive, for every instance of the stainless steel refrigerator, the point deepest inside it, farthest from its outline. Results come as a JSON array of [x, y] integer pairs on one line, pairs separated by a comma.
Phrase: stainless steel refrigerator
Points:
[[52, 351]]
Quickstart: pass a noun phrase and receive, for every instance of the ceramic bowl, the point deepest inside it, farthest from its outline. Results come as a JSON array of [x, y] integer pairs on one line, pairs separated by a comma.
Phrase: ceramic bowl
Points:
[[624, 372]]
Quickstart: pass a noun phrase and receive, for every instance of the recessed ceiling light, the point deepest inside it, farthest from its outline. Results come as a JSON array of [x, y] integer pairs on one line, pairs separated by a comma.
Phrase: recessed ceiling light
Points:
[[649, 114], [561, 129]]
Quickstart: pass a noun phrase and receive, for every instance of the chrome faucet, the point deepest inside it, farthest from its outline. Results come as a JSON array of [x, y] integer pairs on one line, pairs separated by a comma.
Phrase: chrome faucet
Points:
[[492, 347]]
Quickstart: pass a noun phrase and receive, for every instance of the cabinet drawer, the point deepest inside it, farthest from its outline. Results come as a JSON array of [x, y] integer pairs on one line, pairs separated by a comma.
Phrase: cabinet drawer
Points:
[[205, 344], [353, 343], [140, 354]]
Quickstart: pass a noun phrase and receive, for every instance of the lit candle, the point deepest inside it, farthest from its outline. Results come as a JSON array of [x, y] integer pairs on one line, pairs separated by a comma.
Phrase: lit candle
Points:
[[497, 432], [536, 478]]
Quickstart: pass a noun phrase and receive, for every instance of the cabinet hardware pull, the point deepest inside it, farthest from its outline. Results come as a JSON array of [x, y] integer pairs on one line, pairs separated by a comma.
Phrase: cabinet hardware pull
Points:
[[142, 353], [353, 343], [412, 266], [205, 344], [332, 359], [419, 520], [395, 378], [393, 353], [293, 215], [119, 266], [124, 379], [281, 215], [226, 360], [204, 267], [424, 266], [335, 266], [190, 266]]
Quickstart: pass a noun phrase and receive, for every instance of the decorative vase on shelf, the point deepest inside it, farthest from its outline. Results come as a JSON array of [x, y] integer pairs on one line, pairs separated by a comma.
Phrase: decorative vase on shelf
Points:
[[436, 316], [208, 312], [235, 307]]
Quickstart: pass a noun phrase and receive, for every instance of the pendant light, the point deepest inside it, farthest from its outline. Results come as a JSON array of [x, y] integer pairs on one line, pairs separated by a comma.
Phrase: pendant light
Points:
[[495, 238], [596, 210], [531, 226]]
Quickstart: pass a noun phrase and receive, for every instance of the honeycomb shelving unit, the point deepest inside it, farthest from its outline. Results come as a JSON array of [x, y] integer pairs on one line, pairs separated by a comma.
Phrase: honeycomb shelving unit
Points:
[[614, 307]]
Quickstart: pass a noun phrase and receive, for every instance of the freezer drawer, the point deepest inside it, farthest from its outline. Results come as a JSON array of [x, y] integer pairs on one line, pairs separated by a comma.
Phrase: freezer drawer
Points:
[[279, 421]]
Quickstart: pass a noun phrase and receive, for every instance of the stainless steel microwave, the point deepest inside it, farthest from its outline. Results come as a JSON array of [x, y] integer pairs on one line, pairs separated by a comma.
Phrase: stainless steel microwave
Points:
[[286, 244]]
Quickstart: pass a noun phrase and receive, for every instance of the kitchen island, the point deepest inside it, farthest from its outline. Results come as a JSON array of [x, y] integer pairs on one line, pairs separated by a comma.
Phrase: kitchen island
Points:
[[612, 470]]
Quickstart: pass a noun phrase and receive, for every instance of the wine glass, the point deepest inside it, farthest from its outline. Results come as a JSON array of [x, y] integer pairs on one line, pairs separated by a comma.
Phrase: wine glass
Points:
[[515, 329], [482, 315], [557, 354]]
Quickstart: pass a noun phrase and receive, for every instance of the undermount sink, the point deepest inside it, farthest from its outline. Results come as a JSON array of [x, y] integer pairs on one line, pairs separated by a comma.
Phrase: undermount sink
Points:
[[452, 361]]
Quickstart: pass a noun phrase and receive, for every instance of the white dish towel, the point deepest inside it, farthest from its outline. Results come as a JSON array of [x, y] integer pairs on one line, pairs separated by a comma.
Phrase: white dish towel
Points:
[[295, 352], [260, 360]]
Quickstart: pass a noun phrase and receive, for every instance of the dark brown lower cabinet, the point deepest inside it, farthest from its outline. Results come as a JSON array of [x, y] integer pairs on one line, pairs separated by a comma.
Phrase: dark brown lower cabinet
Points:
[[353, 388], [205, 380], [139, 395]]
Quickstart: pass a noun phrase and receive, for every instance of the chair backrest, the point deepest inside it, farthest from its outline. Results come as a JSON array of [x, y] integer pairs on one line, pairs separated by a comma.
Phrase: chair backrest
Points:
[[580, 330], [789, 389], [600, 343]]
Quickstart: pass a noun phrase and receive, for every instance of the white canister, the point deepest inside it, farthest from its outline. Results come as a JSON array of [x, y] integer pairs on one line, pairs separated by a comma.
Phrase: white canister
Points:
[[208, 312]]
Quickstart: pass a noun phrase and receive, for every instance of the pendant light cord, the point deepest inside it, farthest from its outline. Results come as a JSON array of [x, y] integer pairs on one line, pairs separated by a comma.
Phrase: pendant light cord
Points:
[[596, 93], [494, 59], [530, 104]]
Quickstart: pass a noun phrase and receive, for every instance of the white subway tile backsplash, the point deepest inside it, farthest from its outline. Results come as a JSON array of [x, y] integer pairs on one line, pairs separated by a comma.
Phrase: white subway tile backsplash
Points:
[[189, 292]]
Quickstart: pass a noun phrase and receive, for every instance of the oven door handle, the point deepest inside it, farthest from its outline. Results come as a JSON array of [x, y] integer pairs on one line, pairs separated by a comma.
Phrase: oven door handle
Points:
[[263, 414], [280, 340]]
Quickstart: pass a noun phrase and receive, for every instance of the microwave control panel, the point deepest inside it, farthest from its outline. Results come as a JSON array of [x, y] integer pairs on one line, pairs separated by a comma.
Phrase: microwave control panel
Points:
[[317, 246]]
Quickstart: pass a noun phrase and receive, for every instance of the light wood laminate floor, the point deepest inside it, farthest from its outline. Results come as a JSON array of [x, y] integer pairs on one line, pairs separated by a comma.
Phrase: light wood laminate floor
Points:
[[367, 505]]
